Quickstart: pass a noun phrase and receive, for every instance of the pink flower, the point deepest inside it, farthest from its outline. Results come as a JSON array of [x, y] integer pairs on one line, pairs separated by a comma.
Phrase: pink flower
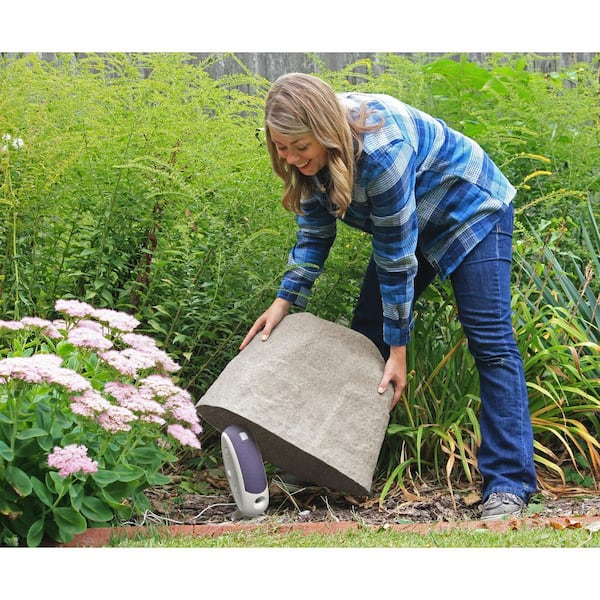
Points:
[[42, 368], [74, 308], [84, 336], [181, 409], [164, 360], [136, 399], [183, 435], [11, 325], [116, 418], [128, 361], [140, 342], [161, 386], [177, 401], [60, 324], [147, 345], [71, 459], [89, 324], [116, 320], [48, 328], [89, 404], [152, 418], [110, 417]]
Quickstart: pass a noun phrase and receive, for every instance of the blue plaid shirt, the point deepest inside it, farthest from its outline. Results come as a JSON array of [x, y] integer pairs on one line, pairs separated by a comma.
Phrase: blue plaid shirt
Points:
[[417, 182]]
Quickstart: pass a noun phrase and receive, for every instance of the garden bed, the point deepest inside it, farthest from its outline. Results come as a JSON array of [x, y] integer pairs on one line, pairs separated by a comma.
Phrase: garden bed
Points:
[[313, 509]]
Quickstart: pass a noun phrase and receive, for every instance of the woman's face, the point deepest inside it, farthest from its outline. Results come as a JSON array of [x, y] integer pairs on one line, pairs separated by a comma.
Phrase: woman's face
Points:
[[304, 152]]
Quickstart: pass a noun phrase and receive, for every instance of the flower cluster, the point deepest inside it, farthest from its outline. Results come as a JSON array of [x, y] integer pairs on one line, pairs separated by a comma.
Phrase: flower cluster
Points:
[[89, 417], [129, 397], [71, 459], [42, 368]]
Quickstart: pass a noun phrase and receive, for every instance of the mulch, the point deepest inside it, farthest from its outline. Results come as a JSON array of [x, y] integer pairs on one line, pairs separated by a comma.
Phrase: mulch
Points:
[[427, 504]]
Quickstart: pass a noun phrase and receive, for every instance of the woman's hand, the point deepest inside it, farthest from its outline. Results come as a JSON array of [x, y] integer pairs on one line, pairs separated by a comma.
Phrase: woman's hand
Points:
[[394, 372], [268, 321]]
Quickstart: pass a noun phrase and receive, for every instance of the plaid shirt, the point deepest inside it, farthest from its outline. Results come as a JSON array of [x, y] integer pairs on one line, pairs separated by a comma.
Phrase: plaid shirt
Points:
[[417, 182]]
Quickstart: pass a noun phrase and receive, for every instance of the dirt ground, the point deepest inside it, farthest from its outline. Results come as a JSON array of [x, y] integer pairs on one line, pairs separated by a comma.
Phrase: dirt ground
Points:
[[427, 503]]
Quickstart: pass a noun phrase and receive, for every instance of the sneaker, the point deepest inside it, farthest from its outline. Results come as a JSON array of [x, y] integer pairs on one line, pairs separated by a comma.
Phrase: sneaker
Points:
[[502, 504]]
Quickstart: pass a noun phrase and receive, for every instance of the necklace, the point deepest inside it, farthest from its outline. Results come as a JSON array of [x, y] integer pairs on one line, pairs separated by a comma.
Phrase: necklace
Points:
[[320, 185]]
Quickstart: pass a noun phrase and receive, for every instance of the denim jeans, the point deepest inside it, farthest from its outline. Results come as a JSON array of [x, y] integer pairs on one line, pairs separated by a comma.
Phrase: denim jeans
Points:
[[482, 291]]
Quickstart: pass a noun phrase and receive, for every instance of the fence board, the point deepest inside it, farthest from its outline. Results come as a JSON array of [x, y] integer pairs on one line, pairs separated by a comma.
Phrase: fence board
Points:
[[273, 64]]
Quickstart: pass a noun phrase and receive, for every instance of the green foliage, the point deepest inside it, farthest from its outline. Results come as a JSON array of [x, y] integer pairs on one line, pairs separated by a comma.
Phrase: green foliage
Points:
[[541, 129], [558, 329], [434, 429], [361, 536], [141, 184], [93, 401]]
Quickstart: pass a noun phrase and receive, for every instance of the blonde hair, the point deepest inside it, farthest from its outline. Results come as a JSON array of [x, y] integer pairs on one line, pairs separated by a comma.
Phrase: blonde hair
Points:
[[298, 104]]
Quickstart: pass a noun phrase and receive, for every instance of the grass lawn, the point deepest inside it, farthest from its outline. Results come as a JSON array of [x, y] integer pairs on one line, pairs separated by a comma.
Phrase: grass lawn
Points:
[[368, 537]]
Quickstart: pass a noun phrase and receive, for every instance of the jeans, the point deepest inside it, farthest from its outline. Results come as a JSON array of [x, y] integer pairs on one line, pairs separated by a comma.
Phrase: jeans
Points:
[[482, 291]]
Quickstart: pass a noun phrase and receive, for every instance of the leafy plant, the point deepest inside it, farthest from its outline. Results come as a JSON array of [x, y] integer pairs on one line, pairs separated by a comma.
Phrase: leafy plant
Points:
[[435, 430], [557, 323], [141, 183], [89, 415], [558, 327]]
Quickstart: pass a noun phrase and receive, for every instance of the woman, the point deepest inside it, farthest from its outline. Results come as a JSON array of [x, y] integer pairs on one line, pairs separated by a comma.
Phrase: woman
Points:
[[434, 203]]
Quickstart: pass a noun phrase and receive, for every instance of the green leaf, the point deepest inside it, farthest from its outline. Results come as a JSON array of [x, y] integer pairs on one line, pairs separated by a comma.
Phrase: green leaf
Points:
[[55, 482], [35, 533], [26, 448], [115, 492], [76, 494], [96, 510], [57, 428], [41, 491], [155, 478], [10, 510], [145, 456], [69, 520], [32, 432], [46, 443], [105, 477], [130, 473], [19, 480], [5, 452], [140, 502]]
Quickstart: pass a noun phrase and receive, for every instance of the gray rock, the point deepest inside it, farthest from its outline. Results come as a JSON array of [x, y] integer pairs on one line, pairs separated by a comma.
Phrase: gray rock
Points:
[[309, 397]]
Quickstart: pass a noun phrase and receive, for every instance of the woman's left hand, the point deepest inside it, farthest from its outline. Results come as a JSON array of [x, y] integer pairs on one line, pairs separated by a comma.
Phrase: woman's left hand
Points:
[[394, 372]]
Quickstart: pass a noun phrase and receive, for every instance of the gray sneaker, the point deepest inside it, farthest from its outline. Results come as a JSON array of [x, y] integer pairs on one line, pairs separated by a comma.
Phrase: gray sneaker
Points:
[[502, 504]]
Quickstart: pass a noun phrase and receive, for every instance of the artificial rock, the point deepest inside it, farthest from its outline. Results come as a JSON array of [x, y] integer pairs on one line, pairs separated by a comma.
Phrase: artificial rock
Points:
[[308, 395]]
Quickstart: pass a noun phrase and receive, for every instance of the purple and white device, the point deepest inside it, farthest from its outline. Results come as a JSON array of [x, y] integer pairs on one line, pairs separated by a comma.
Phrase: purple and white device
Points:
[[245, 471]]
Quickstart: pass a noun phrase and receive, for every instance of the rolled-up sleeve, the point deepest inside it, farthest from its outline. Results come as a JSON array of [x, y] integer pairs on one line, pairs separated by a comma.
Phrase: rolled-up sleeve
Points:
[[314, 238]]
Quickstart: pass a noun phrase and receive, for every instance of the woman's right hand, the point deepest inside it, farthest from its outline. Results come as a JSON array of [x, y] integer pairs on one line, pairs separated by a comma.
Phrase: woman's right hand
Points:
[[268, 321]]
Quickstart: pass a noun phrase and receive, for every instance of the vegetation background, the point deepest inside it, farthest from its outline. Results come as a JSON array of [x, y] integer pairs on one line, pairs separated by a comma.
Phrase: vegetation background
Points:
[[140, 182]]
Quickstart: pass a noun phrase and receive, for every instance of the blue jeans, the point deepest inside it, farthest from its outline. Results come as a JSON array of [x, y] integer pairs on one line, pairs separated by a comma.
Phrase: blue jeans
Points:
[[482, 290]]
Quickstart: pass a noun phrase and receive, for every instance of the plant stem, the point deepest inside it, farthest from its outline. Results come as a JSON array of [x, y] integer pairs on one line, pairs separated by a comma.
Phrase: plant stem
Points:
[[11, 200]]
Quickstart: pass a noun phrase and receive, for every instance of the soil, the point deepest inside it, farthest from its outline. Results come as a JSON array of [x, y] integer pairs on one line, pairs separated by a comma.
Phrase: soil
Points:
[[425, 503]]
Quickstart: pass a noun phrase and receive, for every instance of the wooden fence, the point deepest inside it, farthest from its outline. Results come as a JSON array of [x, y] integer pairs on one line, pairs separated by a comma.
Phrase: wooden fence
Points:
[[271, 65]]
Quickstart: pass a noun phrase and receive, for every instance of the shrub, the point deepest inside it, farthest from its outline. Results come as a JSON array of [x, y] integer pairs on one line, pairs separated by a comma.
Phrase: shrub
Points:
[[89, 415]]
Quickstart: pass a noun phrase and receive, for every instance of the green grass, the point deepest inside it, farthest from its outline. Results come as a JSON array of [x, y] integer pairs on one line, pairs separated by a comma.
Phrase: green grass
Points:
[[378, 537]]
